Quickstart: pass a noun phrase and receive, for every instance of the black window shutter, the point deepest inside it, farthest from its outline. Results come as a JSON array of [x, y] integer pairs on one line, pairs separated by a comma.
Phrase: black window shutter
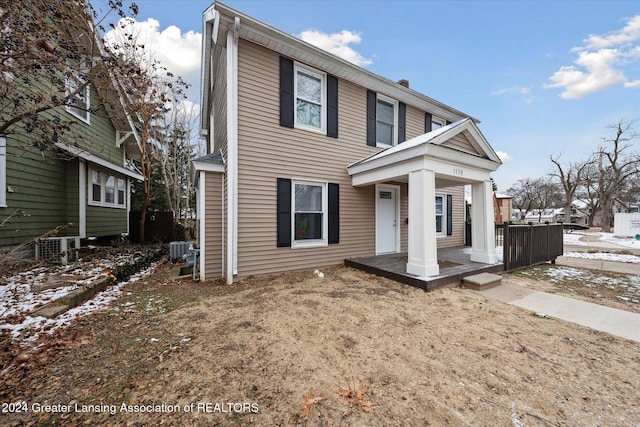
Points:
[[284, 213], [332, 106], [371, 118], [334, 213], [402, 122], [427, 122], [449, 215], [286, 92]]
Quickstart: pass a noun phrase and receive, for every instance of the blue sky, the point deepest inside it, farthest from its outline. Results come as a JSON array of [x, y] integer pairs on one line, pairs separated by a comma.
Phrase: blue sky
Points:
[[543, 77]]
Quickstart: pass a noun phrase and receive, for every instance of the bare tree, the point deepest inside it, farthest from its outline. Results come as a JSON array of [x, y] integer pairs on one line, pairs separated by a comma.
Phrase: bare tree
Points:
[[50, 53], [523, 196], [151, 93], [571, 177], [616, 165]]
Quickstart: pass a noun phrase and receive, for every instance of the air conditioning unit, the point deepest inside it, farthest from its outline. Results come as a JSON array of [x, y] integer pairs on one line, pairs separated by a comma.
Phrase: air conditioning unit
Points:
[[60, 250], [178, 249]]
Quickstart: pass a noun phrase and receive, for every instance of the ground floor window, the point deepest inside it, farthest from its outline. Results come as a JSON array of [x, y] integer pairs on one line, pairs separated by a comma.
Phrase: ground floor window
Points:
[[309, 211], [107, 189]]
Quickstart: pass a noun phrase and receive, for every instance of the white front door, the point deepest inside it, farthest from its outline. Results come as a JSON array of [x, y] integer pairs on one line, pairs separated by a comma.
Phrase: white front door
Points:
[[387, 227]]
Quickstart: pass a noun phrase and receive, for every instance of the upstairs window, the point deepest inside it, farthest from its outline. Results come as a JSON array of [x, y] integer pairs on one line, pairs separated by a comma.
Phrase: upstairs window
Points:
[[437, 123], [386, 120], [308, 98], [78, 104], [310, 95]]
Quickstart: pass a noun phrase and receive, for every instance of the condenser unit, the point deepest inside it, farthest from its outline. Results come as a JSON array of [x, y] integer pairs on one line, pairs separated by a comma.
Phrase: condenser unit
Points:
[[58, 249]]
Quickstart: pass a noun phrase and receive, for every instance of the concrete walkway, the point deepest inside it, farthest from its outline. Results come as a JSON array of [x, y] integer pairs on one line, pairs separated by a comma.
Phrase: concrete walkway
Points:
[[622, 323]]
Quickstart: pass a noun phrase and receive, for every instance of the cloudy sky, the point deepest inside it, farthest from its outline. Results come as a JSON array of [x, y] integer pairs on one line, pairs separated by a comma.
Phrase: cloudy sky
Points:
[[544, 77]]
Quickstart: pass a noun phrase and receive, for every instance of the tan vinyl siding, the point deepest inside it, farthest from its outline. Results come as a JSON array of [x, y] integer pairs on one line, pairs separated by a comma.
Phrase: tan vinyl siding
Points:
[[268, 151], [219, 97], [461, 142], [415, 122], [213, 224], [457, 236]]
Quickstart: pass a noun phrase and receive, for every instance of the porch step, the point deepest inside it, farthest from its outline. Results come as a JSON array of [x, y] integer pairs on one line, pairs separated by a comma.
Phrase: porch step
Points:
[[482, 281]]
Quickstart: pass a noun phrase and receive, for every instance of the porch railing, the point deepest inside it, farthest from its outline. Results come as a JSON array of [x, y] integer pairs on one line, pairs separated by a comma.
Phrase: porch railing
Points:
[[526, 245]]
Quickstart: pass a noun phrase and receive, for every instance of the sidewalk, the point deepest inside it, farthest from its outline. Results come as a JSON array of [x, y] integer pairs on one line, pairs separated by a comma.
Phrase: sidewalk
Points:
[[622, 323]]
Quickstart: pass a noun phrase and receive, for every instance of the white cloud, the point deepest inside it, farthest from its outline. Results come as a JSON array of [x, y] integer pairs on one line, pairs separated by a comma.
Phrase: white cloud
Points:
[[521, 91], [600, 63], [177, 51], [338, 44], [635, 83], [504, 156]]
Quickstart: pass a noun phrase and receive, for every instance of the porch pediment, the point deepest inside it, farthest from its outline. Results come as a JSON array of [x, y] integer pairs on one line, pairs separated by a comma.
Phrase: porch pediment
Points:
[[458, 150]]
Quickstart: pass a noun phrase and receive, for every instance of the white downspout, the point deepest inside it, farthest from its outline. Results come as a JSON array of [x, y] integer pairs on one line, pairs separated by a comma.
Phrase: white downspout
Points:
[[232, 152], [200, 208]]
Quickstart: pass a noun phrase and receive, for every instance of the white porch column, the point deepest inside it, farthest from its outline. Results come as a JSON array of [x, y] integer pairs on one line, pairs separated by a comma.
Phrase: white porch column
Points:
[[483, 231], [423, 253]]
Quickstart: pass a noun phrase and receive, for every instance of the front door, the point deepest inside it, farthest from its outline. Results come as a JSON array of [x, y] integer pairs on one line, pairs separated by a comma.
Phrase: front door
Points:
[[387, 227]]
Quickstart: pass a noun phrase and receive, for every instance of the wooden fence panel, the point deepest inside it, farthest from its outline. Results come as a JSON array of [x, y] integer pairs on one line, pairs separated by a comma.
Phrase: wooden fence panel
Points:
[[526, 245]]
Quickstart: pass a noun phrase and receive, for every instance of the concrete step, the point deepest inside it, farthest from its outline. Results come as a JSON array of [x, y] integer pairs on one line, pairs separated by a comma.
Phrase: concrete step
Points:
[[74, 298], [482, 281]]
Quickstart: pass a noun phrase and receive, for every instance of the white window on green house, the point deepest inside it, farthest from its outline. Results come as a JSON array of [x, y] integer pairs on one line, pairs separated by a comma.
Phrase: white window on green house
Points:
[[78, 104], [96, 186], [310, 94], [107, 190], [3, 172], [121, 191], [309, 212], [386, 122]]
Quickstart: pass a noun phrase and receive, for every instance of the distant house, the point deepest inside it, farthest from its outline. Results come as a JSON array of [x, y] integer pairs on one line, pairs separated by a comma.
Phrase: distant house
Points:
[[313, 159], [82, 181], [503, 207]]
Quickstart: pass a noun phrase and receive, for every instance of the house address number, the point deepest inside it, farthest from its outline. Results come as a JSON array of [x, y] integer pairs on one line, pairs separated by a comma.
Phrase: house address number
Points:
[[458, 171]]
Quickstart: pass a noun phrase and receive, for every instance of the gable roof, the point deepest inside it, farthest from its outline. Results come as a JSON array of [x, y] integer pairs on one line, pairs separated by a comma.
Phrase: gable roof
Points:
[[219, 19], [439, 137]]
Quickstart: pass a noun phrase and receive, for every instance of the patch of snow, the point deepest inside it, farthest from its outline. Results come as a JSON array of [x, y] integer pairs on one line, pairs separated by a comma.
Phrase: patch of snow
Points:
[[603, 256], [626, 242], [18, 301]]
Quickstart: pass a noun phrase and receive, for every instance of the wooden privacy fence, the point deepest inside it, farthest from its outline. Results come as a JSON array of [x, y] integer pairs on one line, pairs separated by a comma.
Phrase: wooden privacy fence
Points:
[[526, 245]]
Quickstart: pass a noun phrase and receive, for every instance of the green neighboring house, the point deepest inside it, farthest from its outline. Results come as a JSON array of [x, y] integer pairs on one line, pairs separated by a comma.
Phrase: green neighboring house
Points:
[[83, 183]]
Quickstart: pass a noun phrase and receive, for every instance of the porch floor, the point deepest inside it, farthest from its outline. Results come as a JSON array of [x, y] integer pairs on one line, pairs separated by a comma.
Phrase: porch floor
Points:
[[455, 264]]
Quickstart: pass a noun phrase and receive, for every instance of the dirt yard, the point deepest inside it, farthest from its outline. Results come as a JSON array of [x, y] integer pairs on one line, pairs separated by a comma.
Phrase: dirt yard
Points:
[[348, 349]]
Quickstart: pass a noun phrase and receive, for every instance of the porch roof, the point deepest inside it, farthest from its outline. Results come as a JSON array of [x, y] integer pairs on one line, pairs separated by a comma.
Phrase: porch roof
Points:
[[435, 150]]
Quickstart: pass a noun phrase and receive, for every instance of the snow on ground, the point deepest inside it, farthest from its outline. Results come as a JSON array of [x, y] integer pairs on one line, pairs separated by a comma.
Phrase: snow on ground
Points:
[[626, 242], [574, 239], [603, 256], [17, 300]]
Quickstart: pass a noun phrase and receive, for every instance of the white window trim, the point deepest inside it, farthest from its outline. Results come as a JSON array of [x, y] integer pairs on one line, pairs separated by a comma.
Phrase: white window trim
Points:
[[103, 182], [3, 172], [317, 243], [442, 233], [87, 94], [395, 104], [440, 121], [323, 107]]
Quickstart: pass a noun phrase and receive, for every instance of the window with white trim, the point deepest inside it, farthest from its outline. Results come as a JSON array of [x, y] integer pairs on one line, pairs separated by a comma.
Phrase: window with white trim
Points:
[[309, 211], [78, 104], [437, 123], [386, 121], [3, 172], [441, 214], [310, 88], [107, 190]]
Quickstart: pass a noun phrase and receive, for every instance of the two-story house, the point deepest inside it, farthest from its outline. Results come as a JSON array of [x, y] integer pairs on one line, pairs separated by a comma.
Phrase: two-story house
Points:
[[81, 181], [314, 160]]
